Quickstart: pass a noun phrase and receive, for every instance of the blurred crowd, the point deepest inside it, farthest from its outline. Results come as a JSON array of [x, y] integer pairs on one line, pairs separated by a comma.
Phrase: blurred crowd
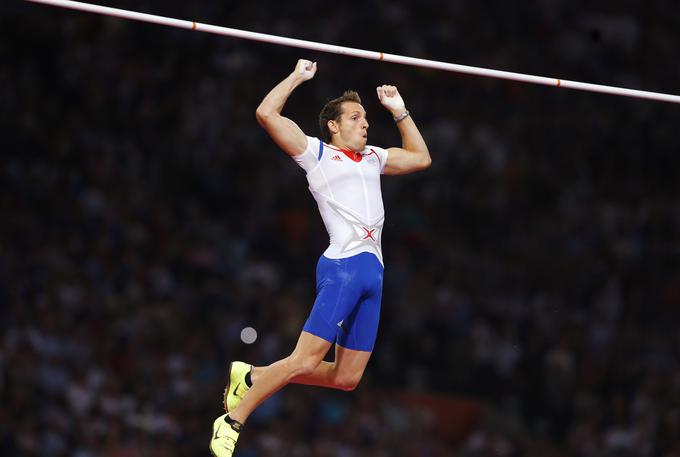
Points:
[[146, 219]]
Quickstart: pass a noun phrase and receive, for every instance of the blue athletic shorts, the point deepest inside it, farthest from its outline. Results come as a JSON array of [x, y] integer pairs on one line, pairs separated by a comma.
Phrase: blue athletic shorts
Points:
[[347, 306]]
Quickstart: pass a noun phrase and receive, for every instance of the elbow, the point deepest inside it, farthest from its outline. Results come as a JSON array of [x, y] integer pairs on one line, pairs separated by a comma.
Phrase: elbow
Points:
[[426, 162], [263, 115]]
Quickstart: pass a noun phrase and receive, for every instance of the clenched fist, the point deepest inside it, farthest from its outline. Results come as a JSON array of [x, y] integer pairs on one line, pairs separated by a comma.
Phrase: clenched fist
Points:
[[305, 69], [390, 99]]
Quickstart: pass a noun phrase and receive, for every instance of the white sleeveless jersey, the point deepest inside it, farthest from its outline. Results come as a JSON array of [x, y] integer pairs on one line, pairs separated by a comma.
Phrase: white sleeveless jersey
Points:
[[346, 186]]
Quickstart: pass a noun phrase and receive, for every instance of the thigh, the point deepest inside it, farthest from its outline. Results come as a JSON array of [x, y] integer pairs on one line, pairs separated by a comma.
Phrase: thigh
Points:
[[311, 346], [338, 294], [350, 360], [360, 329]]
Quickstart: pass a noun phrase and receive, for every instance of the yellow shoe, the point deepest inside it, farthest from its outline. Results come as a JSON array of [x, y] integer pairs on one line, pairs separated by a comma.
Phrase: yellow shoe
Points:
[[236, 386], [223, 439]]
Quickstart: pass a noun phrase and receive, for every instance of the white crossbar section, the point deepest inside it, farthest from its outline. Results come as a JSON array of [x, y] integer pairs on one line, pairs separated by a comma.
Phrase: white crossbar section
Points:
[[477, 71]]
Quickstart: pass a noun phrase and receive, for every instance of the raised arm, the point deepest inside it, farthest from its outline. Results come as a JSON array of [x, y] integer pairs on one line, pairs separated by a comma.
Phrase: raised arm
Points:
[[413, 154], [285, 133]]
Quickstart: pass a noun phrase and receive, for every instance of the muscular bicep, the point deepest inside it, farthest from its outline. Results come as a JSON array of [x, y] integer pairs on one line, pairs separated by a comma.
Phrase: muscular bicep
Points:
[[285, 133], [400, 161]]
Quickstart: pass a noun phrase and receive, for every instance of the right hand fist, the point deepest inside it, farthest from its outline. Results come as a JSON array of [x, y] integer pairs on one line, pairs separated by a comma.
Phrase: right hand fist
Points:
[[305, 69]]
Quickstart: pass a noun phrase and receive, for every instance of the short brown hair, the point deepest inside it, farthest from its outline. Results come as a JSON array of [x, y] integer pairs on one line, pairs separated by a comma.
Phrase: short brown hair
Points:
[[332, 111]]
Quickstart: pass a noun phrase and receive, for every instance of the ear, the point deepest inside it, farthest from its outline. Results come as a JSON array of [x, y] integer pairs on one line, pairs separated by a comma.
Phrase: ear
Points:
[[333, 127]]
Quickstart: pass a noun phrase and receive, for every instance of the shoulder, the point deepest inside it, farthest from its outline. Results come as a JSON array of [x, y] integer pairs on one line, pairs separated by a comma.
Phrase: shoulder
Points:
[[311, 156], [380, 153]]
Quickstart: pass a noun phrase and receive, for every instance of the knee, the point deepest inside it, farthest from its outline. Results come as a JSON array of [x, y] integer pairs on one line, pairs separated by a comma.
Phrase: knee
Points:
[[302, 365], [347, 381]]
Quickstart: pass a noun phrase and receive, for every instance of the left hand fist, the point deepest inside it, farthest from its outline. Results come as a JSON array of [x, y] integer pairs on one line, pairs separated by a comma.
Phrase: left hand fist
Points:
[[390, 99]]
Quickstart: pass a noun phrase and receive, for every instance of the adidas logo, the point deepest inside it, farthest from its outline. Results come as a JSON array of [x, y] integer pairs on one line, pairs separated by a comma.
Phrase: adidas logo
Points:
[[336, 157]]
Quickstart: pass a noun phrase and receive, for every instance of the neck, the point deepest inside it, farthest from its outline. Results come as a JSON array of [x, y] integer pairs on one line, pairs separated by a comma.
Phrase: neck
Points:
[[343, 146]]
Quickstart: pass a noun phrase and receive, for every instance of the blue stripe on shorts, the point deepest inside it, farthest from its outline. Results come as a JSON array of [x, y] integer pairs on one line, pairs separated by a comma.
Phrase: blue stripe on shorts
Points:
[[347, 305]]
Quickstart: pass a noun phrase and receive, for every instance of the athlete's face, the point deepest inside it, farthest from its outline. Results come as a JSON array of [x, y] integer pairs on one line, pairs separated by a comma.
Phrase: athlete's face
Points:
[[352, 127]]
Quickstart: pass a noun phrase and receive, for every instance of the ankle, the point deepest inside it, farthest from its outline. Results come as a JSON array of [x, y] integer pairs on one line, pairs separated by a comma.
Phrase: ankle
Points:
[[253, 375], [236, 425]]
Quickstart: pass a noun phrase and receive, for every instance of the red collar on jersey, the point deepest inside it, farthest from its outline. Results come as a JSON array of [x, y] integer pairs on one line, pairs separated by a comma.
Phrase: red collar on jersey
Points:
[[355, 156]]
